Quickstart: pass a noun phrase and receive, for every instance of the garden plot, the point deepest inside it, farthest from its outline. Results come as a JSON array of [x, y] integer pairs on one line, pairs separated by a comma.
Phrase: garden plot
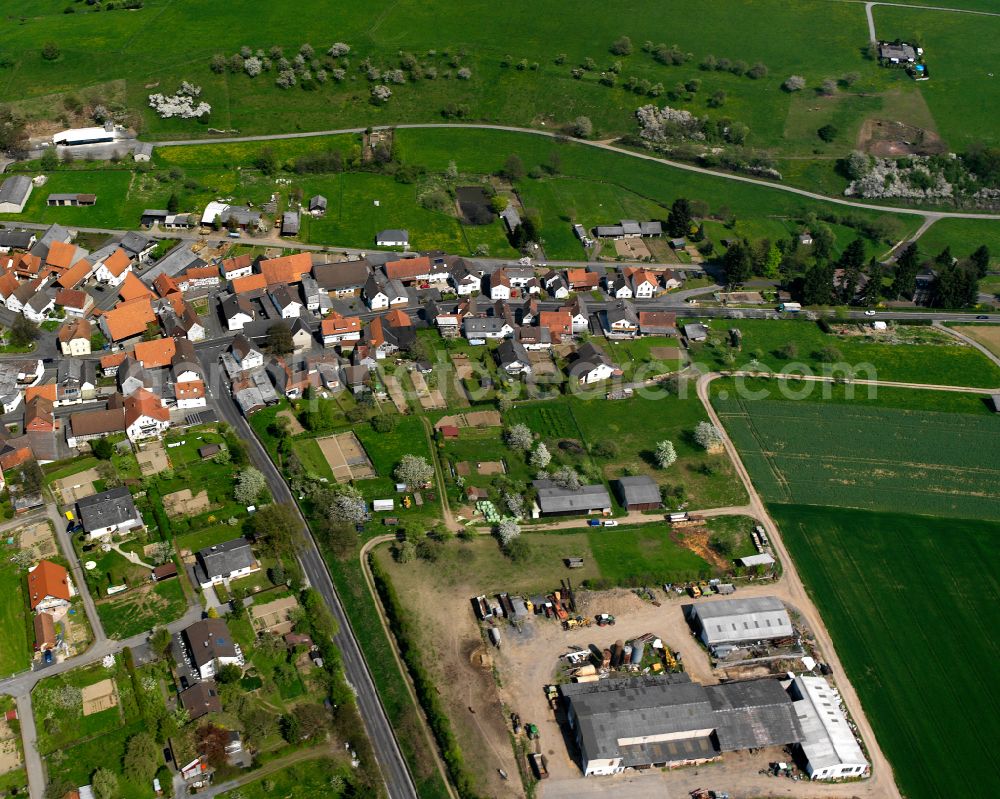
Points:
[[346, 457], [185, 503], [10, 756], [75, 487], [633, 249], [100, 696], [152, 458], [429, 399], [473, 419], [38, 537]]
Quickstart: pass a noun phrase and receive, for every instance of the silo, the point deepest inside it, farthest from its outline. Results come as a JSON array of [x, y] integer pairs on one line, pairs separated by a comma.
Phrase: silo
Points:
[[616, 654], [638, 650]]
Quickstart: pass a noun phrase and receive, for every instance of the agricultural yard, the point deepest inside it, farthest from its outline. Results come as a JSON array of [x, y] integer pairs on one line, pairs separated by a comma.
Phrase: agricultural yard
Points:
[[463, 569], [864, 456], [15, 644], [908, 601], [904, 353]]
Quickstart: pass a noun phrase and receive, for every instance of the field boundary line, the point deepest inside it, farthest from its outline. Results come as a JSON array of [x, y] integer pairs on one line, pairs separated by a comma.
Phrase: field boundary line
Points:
[[881, 770], [363, 554]]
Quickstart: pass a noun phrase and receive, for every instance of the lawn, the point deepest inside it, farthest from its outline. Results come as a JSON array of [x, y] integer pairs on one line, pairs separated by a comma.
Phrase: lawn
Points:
[[909, 602], [207, 537], [864, 456], [111, 186], [15, 648], [889, 356], [312, 458], [961, 91], [963, 236], [312, 779], [644, 555], [134, 611]]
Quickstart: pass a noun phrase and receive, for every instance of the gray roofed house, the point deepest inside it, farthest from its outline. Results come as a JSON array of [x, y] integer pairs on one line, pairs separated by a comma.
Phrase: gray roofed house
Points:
[[290, 223], [637, 493], [109, 512], [317, 205], [14, 193], [695, 332], [513, 358], [511, 218], [224, 562], [393, 238], [137, 245], [16, 240], [727, 623], [342, 278], [897, 53], [652, 721], [143, 151], [651, 228], [210, 643], [173, 263], [554, 500]]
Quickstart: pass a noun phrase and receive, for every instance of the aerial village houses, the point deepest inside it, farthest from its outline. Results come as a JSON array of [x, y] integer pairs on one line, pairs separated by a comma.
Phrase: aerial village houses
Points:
[[111, 511]]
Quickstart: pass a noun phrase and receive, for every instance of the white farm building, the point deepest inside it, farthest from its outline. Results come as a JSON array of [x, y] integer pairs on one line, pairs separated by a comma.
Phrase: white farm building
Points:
[[828, 744]]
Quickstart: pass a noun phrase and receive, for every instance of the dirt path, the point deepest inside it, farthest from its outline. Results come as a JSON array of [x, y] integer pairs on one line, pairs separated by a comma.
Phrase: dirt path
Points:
[[425, 729], [795, 592]]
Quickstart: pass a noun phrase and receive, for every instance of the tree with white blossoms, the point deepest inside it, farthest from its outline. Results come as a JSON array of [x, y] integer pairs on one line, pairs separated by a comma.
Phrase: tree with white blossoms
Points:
[[566, 477], [514, 503], [250, 483], [253, 66], [344, 503], [338, 49], [507, 531], [541, 457], [464, 73], [183, 103], [413, 470], [395, 76], [794, 83], [707, 435], [285, 79], [518, 437], [381, 93], [665, 455]]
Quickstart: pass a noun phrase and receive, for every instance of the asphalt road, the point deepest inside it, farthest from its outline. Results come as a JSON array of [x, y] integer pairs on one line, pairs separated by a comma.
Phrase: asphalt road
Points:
[[394, 770]]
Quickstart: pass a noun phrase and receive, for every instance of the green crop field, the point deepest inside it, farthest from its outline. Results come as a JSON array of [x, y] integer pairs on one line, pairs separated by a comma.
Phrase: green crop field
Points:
[[15, 649], [911, 604], [916, 354], [759, 388], [862, 456], [439, 36]]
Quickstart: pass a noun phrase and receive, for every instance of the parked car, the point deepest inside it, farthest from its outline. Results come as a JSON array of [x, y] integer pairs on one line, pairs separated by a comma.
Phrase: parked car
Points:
[[609, 523], [594, 522]]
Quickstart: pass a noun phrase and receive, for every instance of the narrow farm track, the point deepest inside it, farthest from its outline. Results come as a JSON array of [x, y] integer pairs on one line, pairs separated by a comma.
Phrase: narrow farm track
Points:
[[370, 583], [881, 781], [889, 209]]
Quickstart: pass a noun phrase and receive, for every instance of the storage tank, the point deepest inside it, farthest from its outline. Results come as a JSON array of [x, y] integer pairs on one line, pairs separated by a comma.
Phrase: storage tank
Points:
[[495, 636], [616, 654], [585, 671], [627, 655], [586, 678], [638, 650]]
